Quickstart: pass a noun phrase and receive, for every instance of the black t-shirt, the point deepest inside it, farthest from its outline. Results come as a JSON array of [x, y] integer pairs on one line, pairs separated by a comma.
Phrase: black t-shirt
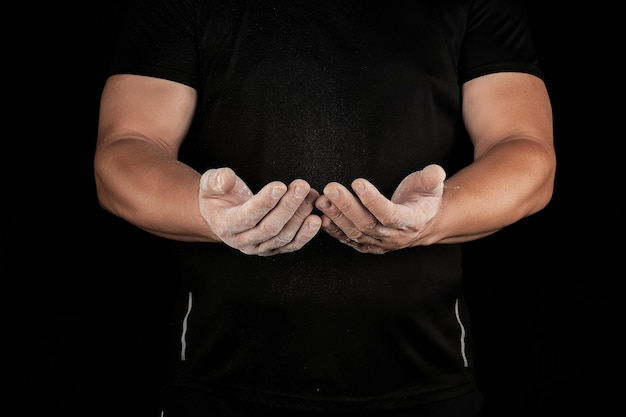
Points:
[[325, 91]]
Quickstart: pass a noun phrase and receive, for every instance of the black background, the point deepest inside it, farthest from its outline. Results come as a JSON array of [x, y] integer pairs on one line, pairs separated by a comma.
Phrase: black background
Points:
[[85, 295]]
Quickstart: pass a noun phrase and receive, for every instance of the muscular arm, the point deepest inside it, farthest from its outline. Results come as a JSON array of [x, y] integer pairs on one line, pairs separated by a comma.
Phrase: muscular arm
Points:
[[509, 119], [142, 124]]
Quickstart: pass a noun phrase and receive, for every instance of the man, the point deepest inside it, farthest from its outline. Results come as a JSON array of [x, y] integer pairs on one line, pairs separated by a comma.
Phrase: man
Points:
[[321, 163]]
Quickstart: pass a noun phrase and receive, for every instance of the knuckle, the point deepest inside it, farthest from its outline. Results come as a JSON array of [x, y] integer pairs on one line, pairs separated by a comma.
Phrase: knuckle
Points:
[[248, 250], [371, 225], [354, 234], [282, 239], [271, 228]]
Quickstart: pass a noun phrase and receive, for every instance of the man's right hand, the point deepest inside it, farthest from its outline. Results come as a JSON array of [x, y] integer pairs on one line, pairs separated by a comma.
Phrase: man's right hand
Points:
[[278, 219]]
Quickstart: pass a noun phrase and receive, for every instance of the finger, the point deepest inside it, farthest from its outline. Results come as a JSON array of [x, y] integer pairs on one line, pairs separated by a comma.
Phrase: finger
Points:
[[217, 181], [253, 212], [433, 177], [428, 181], [223, 182], [339, 224], [289, 230], [383, 210], [346, 232], [349, 214], [331, 228], [293, 227], [273, 221], [308, 229], [371, 246], [286, 208]]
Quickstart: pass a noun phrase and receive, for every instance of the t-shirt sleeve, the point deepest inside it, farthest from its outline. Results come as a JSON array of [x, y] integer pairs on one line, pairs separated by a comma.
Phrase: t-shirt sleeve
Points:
[[158, 39], [497, 39]]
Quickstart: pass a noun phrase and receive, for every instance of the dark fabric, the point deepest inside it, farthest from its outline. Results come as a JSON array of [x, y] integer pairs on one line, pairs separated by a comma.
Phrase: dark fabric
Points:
[[325, 91], [190, 403]]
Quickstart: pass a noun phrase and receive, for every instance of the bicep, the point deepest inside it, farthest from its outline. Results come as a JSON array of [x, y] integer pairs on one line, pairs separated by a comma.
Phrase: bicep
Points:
[[146, 108], [505, 106]]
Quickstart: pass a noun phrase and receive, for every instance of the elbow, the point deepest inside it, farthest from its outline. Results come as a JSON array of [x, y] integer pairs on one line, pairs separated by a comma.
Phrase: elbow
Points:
[[104, 192], [544, 192], [104, 198]]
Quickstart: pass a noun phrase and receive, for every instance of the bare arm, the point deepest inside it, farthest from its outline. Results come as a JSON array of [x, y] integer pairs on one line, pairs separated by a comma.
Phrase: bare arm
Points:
[[143, 122], [509, 119]]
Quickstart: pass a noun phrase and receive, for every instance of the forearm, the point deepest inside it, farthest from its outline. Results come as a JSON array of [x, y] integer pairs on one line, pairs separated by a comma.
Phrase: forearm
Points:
[[145, 185], [511, 181]]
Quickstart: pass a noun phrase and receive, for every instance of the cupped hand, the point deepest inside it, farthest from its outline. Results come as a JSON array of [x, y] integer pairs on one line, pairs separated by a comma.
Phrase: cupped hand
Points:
[[278, 219], [371, 223]]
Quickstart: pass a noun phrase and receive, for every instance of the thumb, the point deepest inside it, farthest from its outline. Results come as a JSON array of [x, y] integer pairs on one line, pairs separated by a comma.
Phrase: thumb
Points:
[[433, 177], [429, 181], [217, 181]]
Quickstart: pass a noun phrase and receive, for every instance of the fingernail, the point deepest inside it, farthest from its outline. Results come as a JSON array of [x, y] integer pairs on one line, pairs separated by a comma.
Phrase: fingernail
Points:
[[332, 192], [299, 191], [358, 187], [325, 204], [218, 180], [277, 192], [315, 223]]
